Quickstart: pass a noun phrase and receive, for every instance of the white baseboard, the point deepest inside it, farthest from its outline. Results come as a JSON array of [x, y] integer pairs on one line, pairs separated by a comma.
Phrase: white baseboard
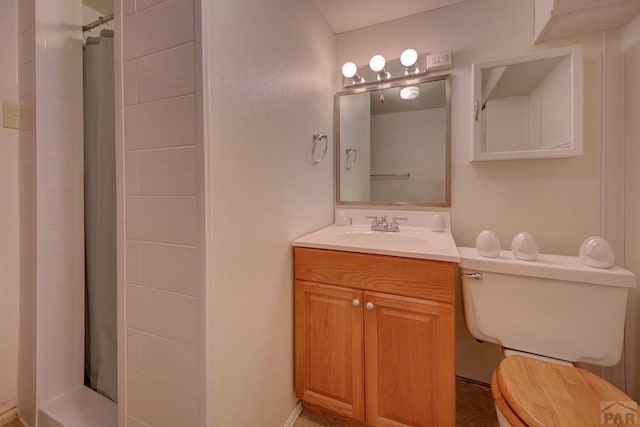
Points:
[[295, 413], [8, 411]]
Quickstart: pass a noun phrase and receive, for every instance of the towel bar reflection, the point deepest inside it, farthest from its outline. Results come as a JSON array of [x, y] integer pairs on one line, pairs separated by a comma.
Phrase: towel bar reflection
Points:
[[391, 175], [352, 156]]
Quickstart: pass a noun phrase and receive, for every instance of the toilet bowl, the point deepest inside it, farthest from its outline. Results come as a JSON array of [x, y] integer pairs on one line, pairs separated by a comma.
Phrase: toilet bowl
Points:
[[547, 314]]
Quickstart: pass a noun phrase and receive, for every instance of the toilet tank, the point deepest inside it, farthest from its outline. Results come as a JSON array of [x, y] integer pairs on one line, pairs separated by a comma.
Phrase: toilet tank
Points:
[[554, 306]]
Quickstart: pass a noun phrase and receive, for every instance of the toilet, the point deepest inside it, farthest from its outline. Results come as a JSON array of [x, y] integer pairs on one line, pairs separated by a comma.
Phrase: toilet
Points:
[[548, 314]]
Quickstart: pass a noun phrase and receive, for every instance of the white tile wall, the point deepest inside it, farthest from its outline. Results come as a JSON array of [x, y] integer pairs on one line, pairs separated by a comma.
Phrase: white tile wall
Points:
[[60, 271], [128, 7], [132, 261], [168, 267], [171, 171], [59, 337], [59, 212], [60, 306], [166, 74], [163, 333], [143, 4], [59, 228], [60, 376], [134, 351], [160, 355], [177, 408], [132, 422], [61, 146], [164, 314], [167, 25], [170, 219], [166, 123], [60, 240], [131, 181], [130, 81], [61, 175]]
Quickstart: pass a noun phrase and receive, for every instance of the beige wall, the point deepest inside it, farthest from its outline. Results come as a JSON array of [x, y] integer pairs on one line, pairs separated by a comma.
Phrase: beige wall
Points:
[[631, 42], [161, 371], [9, 213], [271, 85], [558, 201]]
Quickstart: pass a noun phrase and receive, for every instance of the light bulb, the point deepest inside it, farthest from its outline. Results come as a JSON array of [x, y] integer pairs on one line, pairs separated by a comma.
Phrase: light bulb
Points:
[[410, 92], [349, 69], [377, 63], [409, 57]]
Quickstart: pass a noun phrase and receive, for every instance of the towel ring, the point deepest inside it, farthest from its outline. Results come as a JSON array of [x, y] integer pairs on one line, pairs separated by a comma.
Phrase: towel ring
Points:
[[317, 137]]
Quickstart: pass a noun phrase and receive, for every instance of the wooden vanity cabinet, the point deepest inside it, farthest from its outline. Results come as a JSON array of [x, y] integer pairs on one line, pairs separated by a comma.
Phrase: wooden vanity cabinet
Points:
[[374, 337]]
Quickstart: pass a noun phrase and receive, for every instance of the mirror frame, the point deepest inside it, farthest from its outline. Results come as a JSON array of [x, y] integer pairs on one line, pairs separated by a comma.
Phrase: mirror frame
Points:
[[407, 81], [577, 119]]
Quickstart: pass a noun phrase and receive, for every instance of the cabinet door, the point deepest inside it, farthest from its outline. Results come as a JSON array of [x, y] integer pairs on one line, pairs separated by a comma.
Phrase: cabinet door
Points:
[[410, 362], [329, 348]]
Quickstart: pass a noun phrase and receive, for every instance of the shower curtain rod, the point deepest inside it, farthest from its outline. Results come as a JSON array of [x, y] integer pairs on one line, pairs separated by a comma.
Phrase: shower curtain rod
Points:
[[100, 21]]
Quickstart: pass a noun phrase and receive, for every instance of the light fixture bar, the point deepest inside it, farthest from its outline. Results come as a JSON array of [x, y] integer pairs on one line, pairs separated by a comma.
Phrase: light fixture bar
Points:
[[410, 63]]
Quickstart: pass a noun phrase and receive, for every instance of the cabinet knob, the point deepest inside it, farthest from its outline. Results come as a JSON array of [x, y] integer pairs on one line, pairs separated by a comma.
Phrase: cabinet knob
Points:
[[370, 306], [356, 303]]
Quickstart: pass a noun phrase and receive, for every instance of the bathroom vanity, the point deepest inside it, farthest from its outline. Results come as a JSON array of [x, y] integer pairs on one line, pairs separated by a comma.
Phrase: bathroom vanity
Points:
[[374, 332]]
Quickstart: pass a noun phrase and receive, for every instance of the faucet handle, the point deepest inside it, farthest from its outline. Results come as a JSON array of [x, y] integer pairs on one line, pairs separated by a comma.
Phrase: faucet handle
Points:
[[376, 220], [394, 223]]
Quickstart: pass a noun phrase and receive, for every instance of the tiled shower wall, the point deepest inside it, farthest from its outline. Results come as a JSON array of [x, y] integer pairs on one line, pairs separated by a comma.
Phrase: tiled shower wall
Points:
[[60, 186], [51, 211], [163, 288]]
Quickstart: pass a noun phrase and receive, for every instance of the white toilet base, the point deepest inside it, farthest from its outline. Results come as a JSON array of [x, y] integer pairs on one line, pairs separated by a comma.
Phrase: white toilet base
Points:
[[502, 421]]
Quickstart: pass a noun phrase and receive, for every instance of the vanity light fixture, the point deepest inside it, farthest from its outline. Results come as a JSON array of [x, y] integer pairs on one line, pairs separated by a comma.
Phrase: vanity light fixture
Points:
[[377, 64], [410, 92], [350, 71], [408, 59], [410, 64]]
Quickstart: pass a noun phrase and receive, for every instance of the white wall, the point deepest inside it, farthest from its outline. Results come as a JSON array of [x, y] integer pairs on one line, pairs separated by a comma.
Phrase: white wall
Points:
[[409, 142], [9, 244], [631, 44], [558, 200], [270, 87]]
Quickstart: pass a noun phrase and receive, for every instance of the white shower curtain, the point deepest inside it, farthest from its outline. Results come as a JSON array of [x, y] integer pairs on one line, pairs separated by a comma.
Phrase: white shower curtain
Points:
[[100, 215]]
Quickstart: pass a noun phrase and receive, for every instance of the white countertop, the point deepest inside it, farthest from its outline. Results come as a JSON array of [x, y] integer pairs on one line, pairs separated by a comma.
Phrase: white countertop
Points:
[[410, 242]]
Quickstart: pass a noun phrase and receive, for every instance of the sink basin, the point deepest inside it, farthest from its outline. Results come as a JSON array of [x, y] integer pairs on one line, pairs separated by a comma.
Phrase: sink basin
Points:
[[411, 242], [378, 238]]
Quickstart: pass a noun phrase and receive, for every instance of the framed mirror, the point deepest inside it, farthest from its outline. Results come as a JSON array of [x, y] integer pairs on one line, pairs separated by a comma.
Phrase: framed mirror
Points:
[[392, 143], [529, 107]]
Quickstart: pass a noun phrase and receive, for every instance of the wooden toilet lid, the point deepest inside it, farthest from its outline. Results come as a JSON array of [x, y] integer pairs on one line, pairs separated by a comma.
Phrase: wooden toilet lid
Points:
[[545, 394]]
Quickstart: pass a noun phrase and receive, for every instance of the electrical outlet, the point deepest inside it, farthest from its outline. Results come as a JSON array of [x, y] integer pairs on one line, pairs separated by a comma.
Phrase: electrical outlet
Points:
[[10, 116], [439, 61]]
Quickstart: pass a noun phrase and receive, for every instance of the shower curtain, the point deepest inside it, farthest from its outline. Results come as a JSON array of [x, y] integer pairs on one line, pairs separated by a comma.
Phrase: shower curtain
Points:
[[100, 216]]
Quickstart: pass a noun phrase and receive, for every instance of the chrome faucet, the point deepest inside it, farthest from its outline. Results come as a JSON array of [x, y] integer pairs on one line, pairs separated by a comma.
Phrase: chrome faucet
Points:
[[381, 224]]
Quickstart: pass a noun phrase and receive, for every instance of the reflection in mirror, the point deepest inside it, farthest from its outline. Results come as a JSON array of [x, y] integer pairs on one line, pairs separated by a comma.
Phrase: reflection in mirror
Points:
[[528, 107], [393, 144]]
